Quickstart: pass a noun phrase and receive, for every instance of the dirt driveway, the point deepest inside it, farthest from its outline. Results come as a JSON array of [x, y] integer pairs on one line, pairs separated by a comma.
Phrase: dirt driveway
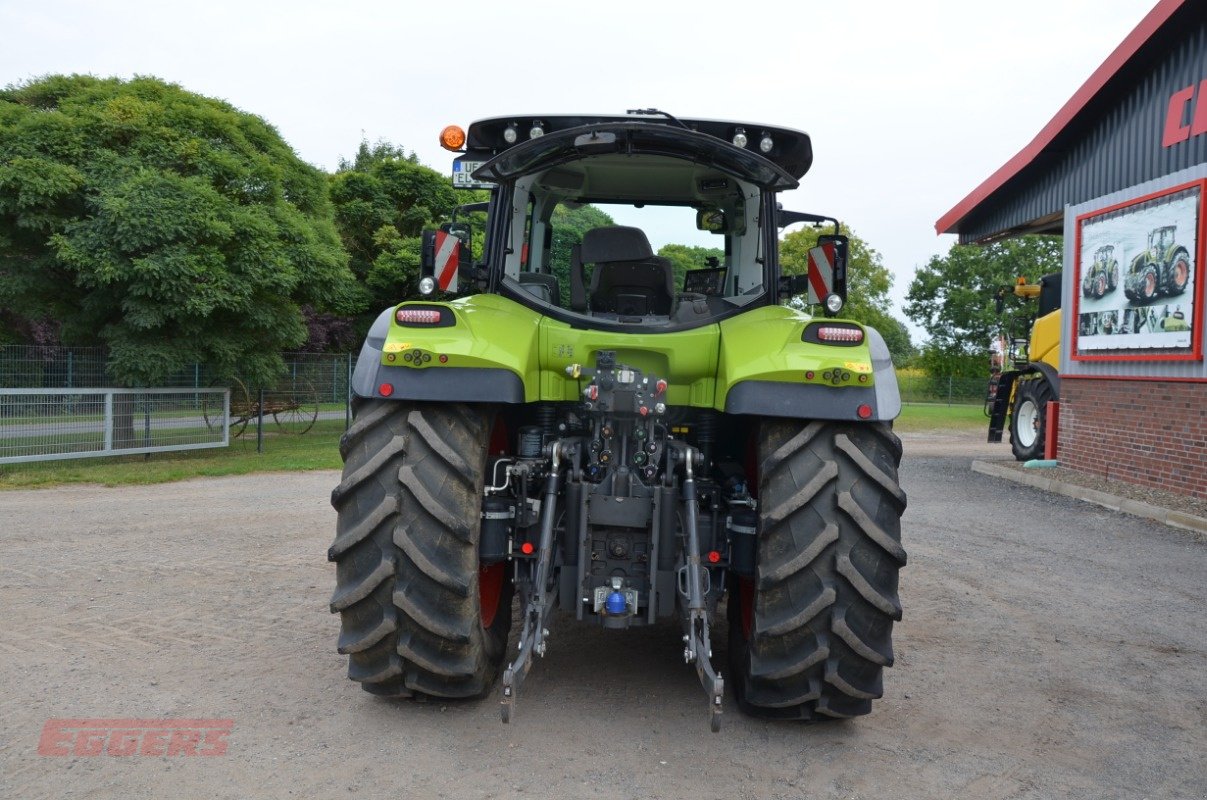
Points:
[[1050, 649]]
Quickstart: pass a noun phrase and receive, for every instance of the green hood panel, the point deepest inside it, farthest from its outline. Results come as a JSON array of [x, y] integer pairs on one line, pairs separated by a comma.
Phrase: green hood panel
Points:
[[686, 359]]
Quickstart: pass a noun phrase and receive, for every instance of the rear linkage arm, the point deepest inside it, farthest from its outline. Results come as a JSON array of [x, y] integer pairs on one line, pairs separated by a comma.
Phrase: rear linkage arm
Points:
[[540, 601], [698, 646]]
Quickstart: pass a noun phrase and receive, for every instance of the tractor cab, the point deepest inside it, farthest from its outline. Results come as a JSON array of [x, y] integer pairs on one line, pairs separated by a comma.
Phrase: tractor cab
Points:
[[1160, 239], [643, 221]]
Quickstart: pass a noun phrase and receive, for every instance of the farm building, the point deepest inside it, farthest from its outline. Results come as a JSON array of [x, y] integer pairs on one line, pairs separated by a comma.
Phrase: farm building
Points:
[[1121, 172]]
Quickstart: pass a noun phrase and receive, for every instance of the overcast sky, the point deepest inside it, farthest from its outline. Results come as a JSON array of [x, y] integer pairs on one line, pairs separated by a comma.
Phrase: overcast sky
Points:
[[910, 104]]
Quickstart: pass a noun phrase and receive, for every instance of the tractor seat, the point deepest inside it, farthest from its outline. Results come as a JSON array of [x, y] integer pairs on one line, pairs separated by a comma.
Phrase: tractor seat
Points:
[[628, 278], [542, 286]]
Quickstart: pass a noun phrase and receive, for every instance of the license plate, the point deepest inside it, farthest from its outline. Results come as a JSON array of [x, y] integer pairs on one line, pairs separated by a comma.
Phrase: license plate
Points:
[[462, 170]]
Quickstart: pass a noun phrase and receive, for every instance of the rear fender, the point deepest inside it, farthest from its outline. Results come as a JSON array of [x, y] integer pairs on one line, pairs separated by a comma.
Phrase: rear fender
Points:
[[765, 367], [484, 350]]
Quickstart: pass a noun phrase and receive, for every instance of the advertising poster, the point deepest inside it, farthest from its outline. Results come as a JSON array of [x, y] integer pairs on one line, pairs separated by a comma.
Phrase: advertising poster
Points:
[[1137, 275]]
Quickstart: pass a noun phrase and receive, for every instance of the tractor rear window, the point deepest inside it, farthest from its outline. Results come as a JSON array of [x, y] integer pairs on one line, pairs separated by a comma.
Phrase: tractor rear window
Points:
[[670, 260]]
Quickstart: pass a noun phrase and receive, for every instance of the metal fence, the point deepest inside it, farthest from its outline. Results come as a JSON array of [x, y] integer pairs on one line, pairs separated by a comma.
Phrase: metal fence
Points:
[[943, 389], [34, 367], [53, 402], [45, 425]]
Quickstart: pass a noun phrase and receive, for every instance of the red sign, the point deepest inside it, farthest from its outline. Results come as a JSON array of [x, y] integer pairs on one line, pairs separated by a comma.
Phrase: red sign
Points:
[[448, 256], [1179, 102], [821, 272]]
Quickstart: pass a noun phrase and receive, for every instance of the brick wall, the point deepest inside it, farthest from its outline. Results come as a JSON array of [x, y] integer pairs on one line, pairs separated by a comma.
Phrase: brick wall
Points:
[[1153, 433]]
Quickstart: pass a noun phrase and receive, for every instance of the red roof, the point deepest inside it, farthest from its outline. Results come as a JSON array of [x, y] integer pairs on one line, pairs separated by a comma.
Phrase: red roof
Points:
[[949, 222]]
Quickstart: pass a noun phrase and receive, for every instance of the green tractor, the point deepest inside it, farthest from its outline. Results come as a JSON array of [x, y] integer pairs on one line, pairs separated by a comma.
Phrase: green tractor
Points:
[[1163, 268], [1103, 275], [628, 448]]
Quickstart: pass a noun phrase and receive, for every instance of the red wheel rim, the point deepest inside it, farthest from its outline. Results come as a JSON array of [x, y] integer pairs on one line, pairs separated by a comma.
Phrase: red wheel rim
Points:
[[1150, 284], [1180, 273], [746, 587], [490, 590], [746, 605]]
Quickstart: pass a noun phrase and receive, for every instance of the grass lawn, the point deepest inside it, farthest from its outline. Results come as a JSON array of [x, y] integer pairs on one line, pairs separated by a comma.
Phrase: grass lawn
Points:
[[917, 417], [319, 449]]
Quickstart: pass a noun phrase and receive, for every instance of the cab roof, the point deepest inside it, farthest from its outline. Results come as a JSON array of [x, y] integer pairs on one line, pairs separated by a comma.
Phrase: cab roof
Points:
[[568, 137]]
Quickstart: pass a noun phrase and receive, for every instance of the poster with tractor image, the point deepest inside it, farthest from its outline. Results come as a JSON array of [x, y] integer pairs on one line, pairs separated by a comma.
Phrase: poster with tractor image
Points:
[[1137, 274]]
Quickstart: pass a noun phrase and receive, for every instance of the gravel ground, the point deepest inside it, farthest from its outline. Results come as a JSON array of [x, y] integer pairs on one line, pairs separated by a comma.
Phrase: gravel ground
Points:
[[1050, 649]]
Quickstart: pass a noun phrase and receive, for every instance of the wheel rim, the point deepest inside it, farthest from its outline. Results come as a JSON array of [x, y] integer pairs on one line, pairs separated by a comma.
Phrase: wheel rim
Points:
[[298, 409], [1100, 286], [1150, 284], [1181, 273], [490, 590], [746, 605], [1026, 423]]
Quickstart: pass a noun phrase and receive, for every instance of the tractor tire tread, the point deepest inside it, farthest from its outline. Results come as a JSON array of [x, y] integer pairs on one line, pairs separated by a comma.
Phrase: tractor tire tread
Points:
[[406, 551], [829, 553]]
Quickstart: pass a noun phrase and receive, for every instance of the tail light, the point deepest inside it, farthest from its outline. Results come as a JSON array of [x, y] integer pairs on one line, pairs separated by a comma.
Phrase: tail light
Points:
[[411, 316], [840, 333]]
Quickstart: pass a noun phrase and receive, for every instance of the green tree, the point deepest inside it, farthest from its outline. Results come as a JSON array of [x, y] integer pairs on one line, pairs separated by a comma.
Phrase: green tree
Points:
[[952, 298], [868, 284], [688, 257], [384, 199], [171, 228]]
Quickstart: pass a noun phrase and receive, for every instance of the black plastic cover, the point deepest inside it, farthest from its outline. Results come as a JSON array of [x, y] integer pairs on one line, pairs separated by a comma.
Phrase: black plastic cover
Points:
[[646, 138]]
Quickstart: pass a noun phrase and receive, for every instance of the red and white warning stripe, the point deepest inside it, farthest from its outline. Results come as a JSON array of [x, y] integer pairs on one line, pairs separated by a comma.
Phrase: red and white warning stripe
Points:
[[821, 272], [448, 256]]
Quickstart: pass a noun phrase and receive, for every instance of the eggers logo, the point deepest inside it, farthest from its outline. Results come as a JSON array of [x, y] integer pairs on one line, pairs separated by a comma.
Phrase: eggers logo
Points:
[[135, 737]]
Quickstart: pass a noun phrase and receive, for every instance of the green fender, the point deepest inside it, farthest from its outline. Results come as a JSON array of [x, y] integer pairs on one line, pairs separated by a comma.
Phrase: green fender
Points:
[[483, 349], [767, 368], [487, 348]]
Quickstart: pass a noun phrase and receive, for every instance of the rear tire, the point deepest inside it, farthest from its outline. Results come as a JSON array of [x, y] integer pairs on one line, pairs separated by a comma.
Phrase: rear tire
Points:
[[406, 551], [1179, 273], [1029, 418], [1149, 285], [811, 634]]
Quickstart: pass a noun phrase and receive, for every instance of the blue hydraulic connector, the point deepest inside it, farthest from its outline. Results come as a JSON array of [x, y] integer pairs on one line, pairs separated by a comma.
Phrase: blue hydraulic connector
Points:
[[615, 603]]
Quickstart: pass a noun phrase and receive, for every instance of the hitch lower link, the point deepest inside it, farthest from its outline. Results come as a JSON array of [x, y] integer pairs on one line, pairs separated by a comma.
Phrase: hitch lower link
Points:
[[540, 600], [698, 646]]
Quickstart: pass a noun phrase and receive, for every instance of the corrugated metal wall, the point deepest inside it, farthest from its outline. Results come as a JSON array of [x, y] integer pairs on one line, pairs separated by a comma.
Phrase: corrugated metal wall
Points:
[[1146, 369], [1122, 148]]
